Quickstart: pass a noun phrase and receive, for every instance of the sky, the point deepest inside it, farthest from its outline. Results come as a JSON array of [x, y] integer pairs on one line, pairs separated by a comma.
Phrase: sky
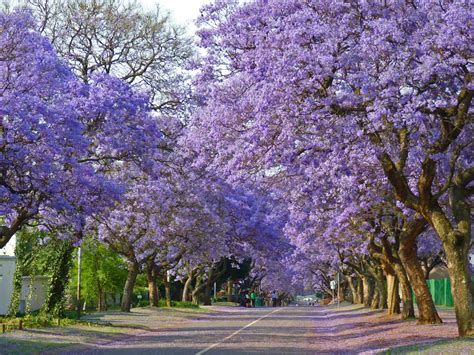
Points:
[[183, 11]]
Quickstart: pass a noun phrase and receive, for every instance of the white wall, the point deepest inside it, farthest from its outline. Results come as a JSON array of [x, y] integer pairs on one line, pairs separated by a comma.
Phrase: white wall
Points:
[[7, 270], [39, 287]]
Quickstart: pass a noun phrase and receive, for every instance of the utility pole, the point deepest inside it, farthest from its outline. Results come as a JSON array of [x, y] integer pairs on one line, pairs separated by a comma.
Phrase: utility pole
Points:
[[332, 283], [338, 289], [79, 252]]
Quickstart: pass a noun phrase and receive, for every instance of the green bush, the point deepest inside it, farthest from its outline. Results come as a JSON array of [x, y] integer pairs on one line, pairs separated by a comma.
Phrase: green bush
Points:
[[185, 304], [219, 299], [143, 303]]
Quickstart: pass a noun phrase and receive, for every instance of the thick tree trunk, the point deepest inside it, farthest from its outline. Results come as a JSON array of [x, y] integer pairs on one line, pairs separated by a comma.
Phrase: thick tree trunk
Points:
[[375, 299], [153, 293], [168, 295], [195, 298], [408, 255], [186, 286], [379, 279], [456, 244], [408, 308], [133, 269], [455, 230], [196, 291], [368, 290], [167, 290], [393, 300], [353, 289], [460, 276]]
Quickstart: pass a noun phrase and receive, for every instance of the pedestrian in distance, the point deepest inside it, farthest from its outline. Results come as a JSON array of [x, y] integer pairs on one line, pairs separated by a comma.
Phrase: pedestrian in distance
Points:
[[247, 300], [253, 297]]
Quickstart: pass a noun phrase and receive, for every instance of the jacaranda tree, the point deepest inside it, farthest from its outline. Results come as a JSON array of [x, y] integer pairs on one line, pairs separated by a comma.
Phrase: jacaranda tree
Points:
[[292, 86]]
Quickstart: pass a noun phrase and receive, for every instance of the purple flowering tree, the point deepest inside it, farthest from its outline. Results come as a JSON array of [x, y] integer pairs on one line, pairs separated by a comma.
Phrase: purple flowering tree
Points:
[[41, 132], [357, 89]]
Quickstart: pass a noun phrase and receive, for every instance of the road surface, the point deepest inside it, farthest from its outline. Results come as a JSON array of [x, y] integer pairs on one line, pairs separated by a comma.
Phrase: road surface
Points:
[[289, 330], [349, 329]]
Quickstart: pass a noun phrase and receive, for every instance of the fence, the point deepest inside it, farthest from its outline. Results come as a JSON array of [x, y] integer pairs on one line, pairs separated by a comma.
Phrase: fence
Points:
[[441, 291]]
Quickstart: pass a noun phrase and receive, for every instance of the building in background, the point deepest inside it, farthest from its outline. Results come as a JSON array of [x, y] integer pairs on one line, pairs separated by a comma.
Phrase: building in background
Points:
[[33, 289]]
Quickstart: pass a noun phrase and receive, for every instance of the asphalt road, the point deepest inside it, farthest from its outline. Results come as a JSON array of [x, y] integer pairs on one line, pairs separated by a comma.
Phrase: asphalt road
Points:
[[349, 329], [288, 330]]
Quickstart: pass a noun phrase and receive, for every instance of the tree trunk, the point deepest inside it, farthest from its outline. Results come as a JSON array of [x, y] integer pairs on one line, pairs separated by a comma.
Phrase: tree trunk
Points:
[[133, 269], [197, 290], [408, 255], [198, 287], [342, 291], [367, 290], [167, 290], [153, 293], [186, 286], [195, 298], [360, 291], [230, 285], [375, 303], [408, 308], [393, 300], [168, 295], [101, 301], [379, 279], [460, 276], [456, 244], [350, 282]]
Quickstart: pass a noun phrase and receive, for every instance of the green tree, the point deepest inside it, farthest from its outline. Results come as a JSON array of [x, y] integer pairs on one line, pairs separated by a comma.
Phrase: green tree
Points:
[[103, 272]]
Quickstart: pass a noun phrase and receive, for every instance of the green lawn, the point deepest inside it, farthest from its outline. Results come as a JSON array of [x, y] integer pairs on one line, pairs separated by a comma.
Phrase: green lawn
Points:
[[453, 346]]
